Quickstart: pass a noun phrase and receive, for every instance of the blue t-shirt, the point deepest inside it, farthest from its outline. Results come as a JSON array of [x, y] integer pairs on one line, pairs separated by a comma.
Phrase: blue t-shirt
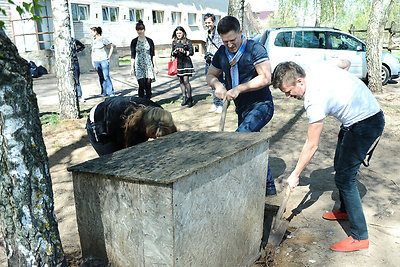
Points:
[[254, 54]]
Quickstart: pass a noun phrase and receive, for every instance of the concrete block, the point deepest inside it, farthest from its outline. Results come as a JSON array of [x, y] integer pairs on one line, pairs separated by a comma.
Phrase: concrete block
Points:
[[186, 199]]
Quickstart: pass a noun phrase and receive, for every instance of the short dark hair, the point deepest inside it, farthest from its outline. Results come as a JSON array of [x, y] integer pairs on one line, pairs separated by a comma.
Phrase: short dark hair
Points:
[[227, 24], [97, 30], [209, 15], [140, 25], [287, 72]]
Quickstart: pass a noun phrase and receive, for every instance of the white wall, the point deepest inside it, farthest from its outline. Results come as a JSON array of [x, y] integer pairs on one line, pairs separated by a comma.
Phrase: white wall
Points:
[[122, 32]]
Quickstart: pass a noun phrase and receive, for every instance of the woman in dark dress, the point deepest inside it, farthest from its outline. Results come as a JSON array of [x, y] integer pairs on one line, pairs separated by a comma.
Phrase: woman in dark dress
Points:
[[182, 49], [124, 121]]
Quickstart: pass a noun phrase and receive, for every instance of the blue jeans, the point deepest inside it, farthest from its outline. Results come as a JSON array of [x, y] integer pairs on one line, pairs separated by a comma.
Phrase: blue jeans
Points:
[[77, 74], [352, 147], [218, 102], [252, 119], [103, 70]]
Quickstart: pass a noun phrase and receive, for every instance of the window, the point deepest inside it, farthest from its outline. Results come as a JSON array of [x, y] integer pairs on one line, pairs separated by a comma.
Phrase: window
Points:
[[110, 14], [344, 42], [310, 39], [283, 39], [176, 18], [135, 15], [158, 17], [79, 12], [192, 19]]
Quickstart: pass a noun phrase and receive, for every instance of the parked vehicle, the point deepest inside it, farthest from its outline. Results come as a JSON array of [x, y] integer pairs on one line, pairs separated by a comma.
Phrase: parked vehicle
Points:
[[309, 45]]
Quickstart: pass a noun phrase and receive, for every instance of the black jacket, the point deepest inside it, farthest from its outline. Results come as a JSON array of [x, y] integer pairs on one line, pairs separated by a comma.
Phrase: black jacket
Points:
[[188, 48], [133, 47], [108, 118]]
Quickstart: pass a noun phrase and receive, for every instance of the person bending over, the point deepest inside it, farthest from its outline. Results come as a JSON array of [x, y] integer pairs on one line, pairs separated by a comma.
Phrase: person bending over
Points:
[[247, 69], [124, 121], [349, 100]]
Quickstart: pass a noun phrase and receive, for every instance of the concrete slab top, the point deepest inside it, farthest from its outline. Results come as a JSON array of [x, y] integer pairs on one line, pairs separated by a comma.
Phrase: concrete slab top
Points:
[[169, 158]]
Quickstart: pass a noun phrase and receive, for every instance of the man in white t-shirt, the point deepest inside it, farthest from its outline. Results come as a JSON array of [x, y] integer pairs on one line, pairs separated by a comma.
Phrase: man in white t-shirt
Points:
[[329, 90]]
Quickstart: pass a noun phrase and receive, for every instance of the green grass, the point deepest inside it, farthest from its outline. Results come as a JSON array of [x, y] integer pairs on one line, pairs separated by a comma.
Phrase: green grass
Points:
[[50, 119], [125, 60]]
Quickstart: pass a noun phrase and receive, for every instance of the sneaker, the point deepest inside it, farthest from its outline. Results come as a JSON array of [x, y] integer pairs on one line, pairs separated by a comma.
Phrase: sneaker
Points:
[[335, 215], [218, 110], [213, 108], [350, 244]]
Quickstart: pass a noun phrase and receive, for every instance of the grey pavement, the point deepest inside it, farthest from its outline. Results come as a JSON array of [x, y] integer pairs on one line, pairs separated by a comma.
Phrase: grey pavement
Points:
[[165, 89]]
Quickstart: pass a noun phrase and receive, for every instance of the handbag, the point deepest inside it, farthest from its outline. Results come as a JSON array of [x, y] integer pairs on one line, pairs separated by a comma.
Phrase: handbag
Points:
[[173, 67]]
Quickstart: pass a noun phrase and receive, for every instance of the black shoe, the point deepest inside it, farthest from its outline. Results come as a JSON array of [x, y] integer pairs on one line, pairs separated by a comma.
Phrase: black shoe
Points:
[[190, 102], [184, 101], [270, 191]]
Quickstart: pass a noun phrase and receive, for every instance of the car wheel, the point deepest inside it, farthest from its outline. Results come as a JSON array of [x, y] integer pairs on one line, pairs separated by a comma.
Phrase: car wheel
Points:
[[384, 75]]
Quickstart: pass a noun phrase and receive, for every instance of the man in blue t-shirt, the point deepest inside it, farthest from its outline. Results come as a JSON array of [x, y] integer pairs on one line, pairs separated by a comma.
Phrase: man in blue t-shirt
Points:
[[245, 65]]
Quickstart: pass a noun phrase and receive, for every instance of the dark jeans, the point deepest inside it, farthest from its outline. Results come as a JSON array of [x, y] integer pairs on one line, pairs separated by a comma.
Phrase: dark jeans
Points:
[[77, 74], [103, 70], [252, 119], [218, 102], [103, 147], [352, 147]]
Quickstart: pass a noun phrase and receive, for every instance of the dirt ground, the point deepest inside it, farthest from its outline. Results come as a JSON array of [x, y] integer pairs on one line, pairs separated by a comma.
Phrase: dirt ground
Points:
[[309, 236]]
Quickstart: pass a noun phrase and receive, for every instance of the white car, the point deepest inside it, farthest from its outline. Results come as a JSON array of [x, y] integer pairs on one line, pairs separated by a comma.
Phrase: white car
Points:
[[309, 45]]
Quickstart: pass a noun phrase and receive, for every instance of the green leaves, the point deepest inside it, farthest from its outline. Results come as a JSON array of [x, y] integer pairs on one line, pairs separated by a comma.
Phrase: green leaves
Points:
[[26, 8]]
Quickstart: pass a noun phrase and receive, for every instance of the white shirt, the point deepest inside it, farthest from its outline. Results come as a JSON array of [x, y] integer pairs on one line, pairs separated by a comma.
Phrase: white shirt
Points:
[[98, 49], [336, 92]]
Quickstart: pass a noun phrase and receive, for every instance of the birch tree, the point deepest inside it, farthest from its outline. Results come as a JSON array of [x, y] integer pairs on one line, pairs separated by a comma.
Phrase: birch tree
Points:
[[28, 223], [67, 93], [376, 24], [236, 9]]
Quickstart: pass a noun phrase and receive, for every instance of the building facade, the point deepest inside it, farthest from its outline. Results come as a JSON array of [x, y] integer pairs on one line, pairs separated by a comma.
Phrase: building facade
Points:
[[117, 18]]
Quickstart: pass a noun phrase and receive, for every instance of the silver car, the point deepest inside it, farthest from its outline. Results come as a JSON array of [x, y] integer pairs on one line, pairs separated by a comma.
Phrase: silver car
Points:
[[309, 45]]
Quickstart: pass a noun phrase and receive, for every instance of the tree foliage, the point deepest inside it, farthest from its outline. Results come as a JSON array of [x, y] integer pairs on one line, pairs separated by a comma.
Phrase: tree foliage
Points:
[[334, 13], [25, 8]]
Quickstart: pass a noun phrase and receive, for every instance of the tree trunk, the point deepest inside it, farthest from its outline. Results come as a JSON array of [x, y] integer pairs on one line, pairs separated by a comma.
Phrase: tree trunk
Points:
[[376, 24], [67, 93], [28, 223], [374, 50], [236, 9], [334, 12], [317, 13]]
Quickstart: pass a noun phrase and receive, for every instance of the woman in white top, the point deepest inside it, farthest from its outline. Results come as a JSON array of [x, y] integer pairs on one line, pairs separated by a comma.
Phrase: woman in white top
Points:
[[101, 61]]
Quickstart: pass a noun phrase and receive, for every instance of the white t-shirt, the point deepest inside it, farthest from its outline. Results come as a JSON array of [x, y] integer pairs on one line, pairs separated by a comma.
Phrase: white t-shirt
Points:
[[336, 92], [98, 49]]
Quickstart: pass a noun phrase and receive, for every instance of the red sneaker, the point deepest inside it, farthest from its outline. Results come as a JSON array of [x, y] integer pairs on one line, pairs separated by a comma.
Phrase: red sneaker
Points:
[[335, 215], [350, 244]]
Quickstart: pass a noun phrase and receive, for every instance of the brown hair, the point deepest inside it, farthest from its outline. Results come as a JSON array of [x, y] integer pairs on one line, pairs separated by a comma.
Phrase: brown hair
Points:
[[287, 72], [175, 38], [140, 25], [98, 30], [148, 122]]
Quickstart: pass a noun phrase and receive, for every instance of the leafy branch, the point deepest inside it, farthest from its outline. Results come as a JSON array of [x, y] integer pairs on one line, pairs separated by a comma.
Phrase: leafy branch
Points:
[[26, 8]]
